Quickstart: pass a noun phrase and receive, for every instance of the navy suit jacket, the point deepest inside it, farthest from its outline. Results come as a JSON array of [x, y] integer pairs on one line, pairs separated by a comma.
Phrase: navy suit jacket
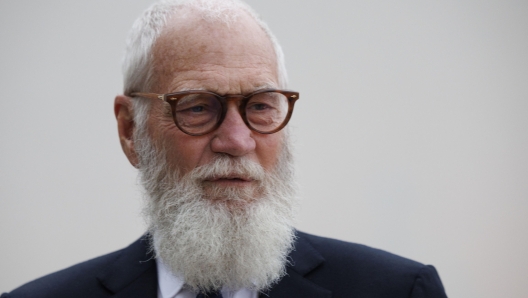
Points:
[[320, 267]]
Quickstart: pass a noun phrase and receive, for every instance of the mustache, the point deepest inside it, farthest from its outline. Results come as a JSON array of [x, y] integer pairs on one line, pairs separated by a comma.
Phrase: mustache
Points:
[[227, 167]]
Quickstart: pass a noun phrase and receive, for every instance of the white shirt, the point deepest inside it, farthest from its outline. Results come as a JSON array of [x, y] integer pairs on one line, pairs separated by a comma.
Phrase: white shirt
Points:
[[170, 286]]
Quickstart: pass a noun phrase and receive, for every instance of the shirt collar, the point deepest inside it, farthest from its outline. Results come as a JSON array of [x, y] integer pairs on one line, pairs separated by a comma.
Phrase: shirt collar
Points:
[[169, 285]]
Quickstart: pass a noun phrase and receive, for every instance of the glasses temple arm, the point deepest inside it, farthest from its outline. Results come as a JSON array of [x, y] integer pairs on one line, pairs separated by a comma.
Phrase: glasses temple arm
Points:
[[148, 95]]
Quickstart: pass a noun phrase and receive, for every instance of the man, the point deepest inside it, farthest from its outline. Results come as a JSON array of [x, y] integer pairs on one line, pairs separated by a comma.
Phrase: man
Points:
[[203, 118]]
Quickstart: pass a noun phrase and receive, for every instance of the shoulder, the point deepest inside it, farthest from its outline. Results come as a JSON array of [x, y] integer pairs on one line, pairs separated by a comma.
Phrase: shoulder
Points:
[[350, 267], [131, 269], [361, 257], [68, 282]]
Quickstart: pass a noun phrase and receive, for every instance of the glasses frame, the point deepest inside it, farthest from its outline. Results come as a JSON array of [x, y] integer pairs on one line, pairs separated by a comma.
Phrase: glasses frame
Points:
[[173, 98]]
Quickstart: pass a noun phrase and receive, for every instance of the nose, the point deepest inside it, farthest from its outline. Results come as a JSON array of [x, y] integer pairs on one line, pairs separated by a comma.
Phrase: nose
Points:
[[233, 137]]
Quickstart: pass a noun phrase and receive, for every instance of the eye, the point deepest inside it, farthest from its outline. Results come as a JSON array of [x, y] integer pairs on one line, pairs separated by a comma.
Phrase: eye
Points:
[[197, 109], [194, 110], [194, 104], [258, 106]]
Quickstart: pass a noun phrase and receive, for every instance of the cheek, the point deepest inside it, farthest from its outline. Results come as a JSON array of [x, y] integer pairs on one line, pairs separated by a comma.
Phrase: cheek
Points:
[[269, 148], [183, 152], [187, 151]]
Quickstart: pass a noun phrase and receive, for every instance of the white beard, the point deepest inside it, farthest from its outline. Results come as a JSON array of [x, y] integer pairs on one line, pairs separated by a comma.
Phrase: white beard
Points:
[[219, 237]]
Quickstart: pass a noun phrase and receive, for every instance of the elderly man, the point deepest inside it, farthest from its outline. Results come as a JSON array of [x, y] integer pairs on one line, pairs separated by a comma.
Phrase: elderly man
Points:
[[203, 118]]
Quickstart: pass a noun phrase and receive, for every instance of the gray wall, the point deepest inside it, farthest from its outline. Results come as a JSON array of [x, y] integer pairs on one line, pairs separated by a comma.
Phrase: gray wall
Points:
[[411, 132]]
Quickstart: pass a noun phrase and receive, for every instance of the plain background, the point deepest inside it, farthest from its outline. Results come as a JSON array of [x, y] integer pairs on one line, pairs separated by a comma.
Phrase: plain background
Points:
[[411, 132]]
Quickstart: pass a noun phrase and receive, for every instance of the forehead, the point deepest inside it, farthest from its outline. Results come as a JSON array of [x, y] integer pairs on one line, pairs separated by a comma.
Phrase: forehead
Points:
[[234, 57]]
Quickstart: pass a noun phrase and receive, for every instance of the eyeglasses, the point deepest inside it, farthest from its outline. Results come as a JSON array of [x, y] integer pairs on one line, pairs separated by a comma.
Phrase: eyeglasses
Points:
[[198, 112]]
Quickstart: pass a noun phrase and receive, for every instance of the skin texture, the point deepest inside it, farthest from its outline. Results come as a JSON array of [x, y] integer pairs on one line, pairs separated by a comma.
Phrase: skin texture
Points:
[[195, 54]]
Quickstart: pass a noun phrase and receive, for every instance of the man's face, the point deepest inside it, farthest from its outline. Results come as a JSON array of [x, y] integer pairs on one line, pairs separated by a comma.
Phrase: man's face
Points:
[[201, 55], [220, 207]]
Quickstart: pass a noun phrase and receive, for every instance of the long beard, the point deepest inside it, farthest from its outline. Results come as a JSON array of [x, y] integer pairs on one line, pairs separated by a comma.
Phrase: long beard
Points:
[[219, 237]]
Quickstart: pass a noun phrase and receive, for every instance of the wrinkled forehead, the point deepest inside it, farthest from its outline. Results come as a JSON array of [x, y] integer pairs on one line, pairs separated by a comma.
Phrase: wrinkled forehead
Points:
[[192, 30], [192, 39]]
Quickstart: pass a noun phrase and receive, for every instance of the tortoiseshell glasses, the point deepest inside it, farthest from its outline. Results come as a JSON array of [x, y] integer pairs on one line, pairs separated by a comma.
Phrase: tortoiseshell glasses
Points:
[[198, 112]]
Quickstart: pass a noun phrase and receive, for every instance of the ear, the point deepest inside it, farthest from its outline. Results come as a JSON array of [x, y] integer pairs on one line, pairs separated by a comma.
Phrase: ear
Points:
[[125, 127]]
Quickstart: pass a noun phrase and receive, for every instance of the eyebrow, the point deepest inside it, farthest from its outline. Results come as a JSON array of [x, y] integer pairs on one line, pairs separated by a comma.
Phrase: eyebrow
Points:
[[261, 87], [268, 85]]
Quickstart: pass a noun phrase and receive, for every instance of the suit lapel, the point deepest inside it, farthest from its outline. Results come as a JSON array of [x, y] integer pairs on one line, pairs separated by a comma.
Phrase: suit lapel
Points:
[[303, 260], [133, 273]]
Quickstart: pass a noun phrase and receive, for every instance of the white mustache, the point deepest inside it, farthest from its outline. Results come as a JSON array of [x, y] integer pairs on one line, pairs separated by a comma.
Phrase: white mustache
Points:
[[225, 167]]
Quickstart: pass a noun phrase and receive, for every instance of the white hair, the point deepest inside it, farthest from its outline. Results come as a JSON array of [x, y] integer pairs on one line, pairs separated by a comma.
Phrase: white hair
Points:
[[137, 70]]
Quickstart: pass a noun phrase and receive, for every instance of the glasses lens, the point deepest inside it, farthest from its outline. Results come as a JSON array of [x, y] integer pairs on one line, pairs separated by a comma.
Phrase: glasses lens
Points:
[[267, 111], [197, 113]]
